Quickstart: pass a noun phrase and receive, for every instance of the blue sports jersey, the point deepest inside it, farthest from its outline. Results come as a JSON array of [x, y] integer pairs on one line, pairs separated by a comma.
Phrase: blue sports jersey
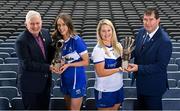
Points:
[[74, 77]]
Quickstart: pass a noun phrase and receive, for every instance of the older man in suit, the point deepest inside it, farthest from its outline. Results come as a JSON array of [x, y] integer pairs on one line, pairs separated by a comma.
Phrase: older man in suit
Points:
[[151, 57], [33, 51]]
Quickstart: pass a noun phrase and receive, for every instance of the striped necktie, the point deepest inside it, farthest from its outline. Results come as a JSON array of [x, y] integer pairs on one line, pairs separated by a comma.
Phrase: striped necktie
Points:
[[146, 39]]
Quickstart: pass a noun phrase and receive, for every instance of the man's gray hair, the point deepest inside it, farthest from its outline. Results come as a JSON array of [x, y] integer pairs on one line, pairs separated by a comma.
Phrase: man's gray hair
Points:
[[31, 14]]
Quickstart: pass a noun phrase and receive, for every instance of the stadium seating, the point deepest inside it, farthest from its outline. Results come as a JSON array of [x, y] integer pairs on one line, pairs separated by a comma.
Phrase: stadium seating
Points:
[[4, 103], [57, 103], [16, 103], [8, 74], [8, 91], [126, 17]]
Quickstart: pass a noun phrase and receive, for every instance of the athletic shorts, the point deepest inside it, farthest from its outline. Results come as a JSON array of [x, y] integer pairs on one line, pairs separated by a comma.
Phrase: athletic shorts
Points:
[[108, 99], [74, 93]]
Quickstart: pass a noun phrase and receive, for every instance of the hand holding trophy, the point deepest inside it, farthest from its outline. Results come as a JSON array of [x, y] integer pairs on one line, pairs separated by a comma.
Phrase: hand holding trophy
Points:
[[58, 61], [127, 45]]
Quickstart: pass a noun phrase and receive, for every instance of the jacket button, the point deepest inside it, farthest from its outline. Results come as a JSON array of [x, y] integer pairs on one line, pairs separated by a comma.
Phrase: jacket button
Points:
[[45, 75]]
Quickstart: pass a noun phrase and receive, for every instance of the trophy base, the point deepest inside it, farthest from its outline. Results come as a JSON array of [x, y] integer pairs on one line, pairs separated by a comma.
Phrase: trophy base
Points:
[[57, 65], [125, 64]]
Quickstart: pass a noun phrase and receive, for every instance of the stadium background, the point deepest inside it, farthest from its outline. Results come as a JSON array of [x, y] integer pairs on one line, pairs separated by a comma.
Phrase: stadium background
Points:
[[126, 17]]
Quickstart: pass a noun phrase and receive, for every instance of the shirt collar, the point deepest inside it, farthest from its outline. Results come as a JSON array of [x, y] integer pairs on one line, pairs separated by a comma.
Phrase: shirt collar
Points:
[[152, 33]]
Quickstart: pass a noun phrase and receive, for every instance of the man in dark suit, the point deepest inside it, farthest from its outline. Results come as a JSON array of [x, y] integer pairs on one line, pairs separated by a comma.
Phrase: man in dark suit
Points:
[[152, 53], [32, 48]]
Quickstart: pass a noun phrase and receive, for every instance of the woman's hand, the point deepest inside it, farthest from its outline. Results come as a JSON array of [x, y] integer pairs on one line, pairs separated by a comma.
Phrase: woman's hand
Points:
[[63, 68]]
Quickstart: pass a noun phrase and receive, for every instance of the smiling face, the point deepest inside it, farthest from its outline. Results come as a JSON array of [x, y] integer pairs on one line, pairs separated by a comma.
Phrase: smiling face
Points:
[[62, 28], [106, 33], [34, 25], [150, 22]]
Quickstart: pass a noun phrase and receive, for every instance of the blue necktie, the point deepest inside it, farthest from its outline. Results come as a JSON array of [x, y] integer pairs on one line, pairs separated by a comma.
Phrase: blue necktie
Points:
[[146, 39]]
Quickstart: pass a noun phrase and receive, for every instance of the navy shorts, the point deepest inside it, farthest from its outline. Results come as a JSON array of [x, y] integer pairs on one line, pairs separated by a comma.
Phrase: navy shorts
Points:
[[108, 99]]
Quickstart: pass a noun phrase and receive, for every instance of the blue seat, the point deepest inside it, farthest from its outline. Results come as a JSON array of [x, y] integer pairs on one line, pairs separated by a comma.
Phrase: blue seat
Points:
[[176, 49], [90, 49], [175, 55], [13, 54], [7, 44], [174, 75], [90, 67], [8, 91], [172, 67], [90, 74], [7, 49], [172, 93], [57, 103], [8, 74], [176, 44], [4, 103], [171, 61], [130, 92], [178, 83], [11, 60], [9, 67], [172, 83], [17, 103], [8, 82], [90, 104], [127, 82], [52, 85], [55, 76], [90, 92], [1, 60], [57, 92], [4, 55], [177, 61], [129, 104], [171, 104], [58, 82], [90, 82]]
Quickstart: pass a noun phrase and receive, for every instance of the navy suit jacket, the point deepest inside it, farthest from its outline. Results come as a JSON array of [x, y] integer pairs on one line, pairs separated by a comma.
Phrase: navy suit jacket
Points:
[[34, 73], [152, 60]]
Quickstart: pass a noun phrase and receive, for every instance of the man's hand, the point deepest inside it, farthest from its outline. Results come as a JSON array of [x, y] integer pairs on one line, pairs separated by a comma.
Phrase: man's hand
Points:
[[132, 68]]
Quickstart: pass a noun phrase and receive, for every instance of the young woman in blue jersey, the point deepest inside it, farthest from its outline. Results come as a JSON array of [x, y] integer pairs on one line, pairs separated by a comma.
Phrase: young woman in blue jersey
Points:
[[73, 78], [106, 57]]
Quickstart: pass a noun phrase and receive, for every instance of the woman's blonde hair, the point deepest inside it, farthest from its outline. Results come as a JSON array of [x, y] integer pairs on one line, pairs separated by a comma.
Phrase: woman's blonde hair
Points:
[[114, 42]]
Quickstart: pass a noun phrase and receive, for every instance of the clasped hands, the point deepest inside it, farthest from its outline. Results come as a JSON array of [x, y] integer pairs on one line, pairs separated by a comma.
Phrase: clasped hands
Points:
[[130, 68], [58, 69]]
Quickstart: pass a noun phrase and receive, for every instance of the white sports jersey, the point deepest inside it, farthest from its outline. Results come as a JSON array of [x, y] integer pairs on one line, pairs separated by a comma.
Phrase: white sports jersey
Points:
[[108, 83]]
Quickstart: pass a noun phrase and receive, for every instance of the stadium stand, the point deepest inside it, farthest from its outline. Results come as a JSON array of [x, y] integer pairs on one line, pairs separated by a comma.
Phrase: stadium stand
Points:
[[4, 103], [16, 103], [126, 17]]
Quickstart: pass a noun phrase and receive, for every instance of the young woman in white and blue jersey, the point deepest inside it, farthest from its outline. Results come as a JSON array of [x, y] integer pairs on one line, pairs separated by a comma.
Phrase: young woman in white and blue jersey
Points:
[[73, 78], [106, 57]]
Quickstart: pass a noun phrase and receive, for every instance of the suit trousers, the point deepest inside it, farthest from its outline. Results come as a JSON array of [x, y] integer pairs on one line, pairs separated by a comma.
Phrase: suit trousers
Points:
[[36, 101], [149, 102]]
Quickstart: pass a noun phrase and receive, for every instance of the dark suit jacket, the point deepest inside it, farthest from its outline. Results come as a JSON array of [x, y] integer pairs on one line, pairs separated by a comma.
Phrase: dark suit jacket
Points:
[[152, 60], [34, 71]]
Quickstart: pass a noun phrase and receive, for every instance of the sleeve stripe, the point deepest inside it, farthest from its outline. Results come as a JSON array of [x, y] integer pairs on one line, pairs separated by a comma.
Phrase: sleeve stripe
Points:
[[98, 62], [83, 52]]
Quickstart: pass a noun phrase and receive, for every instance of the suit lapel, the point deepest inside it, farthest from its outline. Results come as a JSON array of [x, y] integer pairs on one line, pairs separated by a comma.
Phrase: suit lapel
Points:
[[35, 44], [44, 43], [149, 44]]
